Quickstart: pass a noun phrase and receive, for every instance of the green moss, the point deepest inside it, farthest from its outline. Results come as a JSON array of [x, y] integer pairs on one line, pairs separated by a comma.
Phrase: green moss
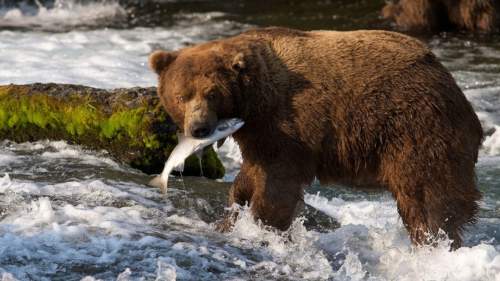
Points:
[[77, 120], [13, 120], [123, 123], [75, 117], [3, 118], [151, 142], [212, 167]]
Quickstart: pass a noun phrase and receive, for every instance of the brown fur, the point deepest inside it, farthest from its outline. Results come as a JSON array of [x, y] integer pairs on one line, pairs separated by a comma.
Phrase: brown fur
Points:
[[443, 15], [366, 108]]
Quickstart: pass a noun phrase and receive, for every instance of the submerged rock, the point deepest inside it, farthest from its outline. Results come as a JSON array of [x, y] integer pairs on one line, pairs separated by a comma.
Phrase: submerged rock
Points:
[[129, 123]]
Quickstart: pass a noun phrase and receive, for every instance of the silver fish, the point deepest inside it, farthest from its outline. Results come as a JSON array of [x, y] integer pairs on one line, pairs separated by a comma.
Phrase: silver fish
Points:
[[189, 145]]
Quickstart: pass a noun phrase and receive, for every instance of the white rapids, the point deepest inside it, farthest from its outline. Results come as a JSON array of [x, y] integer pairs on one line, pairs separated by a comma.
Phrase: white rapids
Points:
[[189, 145]]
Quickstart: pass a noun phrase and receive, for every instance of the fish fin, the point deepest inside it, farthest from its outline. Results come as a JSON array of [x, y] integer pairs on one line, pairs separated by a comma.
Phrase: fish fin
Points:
[[221, 142], [179, 168], [199, 155], [158, 183], [163, 188]]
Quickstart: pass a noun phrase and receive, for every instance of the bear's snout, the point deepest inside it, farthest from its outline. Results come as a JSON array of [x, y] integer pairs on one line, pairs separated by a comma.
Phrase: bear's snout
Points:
[[200, 129], [199, 119]]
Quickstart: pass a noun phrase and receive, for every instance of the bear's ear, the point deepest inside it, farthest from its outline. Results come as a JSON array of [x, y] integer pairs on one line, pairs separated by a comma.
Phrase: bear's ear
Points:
[[159, 60], [239, 62]]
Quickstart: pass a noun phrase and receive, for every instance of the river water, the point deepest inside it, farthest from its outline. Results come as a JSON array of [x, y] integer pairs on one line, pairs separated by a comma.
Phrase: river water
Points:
[[67, 213]]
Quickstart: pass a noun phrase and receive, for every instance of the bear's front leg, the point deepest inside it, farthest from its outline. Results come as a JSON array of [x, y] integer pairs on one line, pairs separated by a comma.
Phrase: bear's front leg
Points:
[[241, 193], [243, 186], [276, 201], [273, 192]]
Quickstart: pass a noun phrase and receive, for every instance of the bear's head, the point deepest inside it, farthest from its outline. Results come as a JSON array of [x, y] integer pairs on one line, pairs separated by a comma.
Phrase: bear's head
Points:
[[199, 85]]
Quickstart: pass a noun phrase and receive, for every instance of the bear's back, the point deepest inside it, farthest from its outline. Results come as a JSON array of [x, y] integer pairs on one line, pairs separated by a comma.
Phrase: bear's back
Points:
[[346, 56]]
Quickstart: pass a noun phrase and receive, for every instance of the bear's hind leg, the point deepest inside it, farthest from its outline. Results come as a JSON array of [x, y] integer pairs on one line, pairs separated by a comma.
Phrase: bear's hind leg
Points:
[[434, 194]]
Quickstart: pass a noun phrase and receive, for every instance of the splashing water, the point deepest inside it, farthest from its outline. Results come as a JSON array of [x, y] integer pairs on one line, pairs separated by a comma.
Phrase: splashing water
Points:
[[63, 14], [109, 225]]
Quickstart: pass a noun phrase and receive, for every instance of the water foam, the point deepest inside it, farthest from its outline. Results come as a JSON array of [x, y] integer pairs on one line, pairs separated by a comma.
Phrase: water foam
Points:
[[65, 150], [102, 58], [53, 233], [105, 58], [491, 143], [372, 233], [52, 150], [91, 224], [63, 14], [230, 155], [170, 245], [7, 158], [292, 254]]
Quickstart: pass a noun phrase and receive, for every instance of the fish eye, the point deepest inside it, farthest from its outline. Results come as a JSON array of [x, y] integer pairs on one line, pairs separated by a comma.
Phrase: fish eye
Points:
[[223, 127]]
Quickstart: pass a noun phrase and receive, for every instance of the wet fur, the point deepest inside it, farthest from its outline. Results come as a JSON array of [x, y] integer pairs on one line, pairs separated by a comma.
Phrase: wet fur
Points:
[[363, 108], [444, 15]]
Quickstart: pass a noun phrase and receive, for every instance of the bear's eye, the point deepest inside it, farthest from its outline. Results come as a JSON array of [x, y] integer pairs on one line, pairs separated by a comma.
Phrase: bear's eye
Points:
[[211, 95], [181, 98]]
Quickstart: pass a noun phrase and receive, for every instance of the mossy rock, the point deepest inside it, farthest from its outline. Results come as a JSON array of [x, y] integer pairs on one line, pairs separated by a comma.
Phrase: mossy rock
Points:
[[129, 123]]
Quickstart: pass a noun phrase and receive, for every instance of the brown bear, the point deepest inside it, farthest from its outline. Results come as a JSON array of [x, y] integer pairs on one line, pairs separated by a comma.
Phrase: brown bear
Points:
[[443, 15], [362, 108]]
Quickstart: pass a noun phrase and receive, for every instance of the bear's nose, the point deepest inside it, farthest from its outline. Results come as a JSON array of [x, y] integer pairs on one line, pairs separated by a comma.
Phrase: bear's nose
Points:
[[200, 130]]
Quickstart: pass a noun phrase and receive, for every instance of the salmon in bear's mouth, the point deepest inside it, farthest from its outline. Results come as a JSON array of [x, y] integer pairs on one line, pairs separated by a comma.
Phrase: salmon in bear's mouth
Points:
[[189, 145]]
